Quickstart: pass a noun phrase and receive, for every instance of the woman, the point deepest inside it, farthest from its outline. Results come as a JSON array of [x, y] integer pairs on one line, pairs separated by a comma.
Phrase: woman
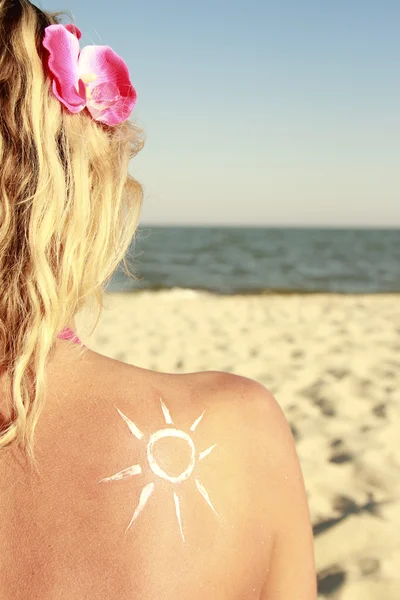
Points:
[[115, 481]]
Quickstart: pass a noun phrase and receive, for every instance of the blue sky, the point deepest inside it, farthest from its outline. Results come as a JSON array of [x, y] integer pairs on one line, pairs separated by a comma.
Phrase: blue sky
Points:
[[260, 113]]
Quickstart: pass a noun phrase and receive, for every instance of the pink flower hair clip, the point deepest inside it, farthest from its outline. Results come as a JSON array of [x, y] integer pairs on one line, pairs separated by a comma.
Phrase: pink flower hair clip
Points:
[[94, 77]]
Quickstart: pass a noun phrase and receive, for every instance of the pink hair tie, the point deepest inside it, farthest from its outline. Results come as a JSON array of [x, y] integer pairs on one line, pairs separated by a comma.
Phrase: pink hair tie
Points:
[[95, 77]]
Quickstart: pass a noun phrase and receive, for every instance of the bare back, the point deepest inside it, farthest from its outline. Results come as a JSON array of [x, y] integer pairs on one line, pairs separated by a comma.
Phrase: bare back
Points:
[[148, 488]]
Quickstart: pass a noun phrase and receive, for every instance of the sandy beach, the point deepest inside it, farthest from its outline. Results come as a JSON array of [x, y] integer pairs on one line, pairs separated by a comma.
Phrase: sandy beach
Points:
[[333, 364]]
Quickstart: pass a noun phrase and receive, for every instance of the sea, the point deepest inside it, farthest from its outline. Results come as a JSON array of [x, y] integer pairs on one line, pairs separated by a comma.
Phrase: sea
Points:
[[261, 260]]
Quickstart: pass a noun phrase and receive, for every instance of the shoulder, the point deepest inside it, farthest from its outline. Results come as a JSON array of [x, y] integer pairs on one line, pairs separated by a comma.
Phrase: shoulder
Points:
[[278, 483], [270, 439], [248, 419], [275, 477], [257, 406], [266, 432], [234, 404], [237, 415]]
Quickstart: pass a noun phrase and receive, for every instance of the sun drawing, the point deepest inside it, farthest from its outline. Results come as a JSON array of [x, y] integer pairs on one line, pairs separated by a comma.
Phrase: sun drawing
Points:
[[148, 489]]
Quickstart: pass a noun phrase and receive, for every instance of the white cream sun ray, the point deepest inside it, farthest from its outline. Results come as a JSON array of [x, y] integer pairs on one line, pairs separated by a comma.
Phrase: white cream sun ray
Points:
[[178, 514], [205, 495], [197, 421], [128, 472], [166, 414], [144, 496], [206, 452], [134, 429]]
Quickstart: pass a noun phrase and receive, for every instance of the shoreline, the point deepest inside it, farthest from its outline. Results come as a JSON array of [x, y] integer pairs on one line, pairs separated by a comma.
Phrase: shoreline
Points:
[[251, 292]]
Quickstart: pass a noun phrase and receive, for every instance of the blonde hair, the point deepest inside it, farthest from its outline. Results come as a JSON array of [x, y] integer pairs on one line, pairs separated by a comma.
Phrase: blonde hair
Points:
[[68, 212]]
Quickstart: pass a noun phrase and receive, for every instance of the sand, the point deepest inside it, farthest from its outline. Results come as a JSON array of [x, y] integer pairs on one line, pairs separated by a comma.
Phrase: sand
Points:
[[333, 364]]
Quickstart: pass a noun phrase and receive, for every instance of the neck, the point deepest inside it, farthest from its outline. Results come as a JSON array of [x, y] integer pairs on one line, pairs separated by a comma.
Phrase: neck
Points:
[[71, 324]]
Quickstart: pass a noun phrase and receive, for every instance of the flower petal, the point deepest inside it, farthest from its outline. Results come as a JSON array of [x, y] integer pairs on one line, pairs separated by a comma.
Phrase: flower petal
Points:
[[63, 48], [75, 30], [105, 92], [113, 81], [115, 114]]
